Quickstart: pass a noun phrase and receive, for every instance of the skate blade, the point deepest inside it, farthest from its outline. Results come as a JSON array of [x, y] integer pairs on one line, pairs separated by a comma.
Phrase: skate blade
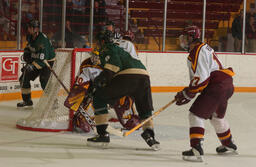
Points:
[[193, 158], [229, 152], [97, 144], [156, 147], [25, 108]]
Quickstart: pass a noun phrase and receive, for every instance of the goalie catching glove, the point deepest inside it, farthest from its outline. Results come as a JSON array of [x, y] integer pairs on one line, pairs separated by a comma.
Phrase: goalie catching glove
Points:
[[184, 96]]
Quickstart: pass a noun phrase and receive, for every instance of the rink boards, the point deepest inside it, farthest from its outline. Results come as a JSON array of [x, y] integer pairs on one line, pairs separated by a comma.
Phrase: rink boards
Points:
[[168, 72]]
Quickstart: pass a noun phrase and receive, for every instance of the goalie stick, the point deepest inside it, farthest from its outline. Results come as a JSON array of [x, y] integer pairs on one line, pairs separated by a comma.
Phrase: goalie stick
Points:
[[81, 110]]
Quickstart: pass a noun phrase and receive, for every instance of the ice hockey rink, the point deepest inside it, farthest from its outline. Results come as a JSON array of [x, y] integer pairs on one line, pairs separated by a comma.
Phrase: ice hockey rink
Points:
[[20, 148]]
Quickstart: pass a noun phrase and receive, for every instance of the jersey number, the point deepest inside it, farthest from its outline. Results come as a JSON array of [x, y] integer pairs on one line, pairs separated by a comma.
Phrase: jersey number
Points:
[[194, 81]]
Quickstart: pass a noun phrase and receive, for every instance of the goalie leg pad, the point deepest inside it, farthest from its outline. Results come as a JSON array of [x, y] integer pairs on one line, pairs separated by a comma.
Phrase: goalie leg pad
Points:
[[80, 123], [132, 122], [76, 96], [125, 114]]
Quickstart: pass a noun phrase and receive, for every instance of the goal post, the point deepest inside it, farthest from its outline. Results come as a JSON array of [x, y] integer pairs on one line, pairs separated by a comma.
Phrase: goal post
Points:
[[50, 114]]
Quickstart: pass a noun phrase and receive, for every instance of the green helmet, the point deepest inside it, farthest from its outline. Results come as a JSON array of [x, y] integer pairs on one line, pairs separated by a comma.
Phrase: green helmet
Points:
[[34, 23], [106, 36]]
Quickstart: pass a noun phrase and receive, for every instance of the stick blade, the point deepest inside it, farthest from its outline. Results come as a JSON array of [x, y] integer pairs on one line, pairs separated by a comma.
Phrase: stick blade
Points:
[[115, 131]]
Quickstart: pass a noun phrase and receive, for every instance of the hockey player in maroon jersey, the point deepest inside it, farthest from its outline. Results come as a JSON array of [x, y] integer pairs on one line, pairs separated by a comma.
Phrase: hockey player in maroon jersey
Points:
[[215, 85]]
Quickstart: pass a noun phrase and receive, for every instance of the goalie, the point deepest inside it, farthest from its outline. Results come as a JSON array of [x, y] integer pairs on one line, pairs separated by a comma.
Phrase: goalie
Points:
[[79, 96]]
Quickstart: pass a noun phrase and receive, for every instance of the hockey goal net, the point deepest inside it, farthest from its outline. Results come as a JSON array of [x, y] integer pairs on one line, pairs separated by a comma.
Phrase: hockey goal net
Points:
[[50, 114]]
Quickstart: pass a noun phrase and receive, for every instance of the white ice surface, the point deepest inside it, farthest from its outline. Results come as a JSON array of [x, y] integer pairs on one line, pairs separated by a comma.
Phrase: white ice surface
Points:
[[20, 148]]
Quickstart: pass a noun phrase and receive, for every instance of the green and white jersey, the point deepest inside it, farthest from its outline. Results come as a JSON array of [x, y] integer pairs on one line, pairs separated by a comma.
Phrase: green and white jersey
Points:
[[119, 61], [41, 49]]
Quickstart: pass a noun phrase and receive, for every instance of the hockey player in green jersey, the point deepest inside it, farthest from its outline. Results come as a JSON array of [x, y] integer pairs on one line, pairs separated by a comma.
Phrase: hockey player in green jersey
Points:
[[122, 75], [38, 50]]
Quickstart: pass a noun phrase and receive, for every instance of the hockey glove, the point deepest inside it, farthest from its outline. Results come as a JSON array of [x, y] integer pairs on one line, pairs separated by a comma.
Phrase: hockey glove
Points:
[[28, 68], [27, 56], [184, 96], [103, 79], [100, 81]]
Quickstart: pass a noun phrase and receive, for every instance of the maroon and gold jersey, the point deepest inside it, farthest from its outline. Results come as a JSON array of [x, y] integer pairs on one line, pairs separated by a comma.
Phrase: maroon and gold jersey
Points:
[[205, 67]]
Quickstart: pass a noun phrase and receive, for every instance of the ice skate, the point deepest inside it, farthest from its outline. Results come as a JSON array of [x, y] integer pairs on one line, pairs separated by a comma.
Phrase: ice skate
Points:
[[149, 136], [101, 141], [229, 149], [27, 105], [195, 154]]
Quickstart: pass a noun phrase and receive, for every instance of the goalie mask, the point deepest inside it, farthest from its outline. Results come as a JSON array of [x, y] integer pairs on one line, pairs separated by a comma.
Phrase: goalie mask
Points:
[[190, 34], [95, 57]]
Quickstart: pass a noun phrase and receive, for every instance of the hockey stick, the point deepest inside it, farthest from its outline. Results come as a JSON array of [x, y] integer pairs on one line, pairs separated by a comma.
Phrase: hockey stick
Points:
[[149, 118], [82, 111], [50, 68]]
